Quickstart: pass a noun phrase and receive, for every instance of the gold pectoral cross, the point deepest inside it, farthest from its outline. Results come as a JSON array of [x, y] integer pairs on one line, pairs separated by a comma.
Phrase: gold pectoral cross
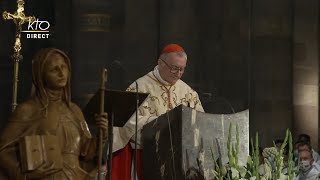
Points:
[[18, 18]]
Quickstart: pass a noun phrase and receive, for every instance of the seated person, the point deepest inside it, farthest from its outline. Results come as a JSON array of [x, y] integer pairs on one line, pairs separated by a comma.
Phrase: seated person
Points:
[[306, 146], [308, 170]]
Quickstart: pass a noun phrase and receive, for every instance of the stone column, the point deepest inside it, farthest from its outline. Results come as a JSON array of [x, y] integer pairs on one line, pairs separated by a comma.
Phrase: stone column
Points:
[[90, 46], [271, 92], [306, 69]]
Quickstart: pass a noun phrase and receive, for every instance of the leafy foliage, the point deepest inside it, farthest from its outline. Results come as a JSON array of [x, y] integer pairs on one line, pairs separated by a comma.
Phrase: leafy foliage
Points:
[[273, 161]]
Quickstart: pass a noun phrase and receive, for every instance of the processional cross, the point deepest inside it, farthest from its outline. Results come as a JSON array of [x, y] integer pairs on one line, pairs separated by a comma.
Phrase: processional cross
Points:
[[19, 19]]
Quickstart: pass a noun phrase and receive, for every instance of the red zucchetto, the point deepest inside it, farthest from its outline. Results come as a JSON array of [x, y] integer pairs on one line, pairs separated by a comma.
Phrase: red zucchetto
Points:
[[172, 48]]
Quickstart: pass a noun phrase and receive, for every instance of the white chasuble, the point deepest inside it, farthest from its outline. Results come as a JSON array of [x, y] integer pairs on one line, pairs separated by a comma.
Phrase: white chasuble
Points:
[[163, 98]]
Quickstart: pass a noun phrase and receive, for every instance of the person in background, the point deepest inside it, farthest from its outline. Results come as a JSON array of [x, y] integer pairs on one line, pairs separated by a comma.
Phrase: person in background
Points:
[[308, 169], [304, 142]]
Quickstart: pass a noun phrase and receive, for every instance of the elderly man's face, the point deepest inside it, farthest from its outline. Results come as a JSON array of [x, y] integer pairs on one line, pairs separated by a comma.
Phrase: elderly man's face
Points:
[[172, 68]]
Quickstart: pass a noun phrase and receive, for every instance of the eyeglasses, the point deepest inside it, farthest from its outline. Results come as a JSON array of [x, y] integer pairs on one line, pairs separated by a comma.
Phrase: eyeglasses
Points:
[[173, 69]]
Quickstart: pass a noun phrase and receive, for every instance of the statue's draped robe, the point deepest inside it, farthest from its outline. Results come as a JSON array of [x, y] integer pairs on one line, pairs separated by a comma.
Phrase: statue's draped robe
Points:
[[65, 122], [163, 98]]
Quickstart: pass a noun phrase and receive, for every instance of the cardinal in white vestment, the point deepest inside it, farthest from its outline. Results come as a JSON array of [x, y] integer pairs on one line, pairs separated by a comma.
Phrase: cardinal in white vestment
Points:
[[167, 91]]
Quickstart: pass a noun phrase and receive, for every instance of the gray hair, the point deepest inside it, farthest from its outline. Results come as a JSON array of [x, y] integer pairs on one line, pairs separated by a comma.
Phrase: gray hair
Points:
[[166, 56]]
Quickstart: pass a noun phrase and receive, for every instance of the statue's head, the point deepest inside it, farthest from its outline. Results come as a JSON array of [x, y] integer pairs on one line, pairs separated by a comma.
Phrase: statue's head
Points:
[[51, 71]]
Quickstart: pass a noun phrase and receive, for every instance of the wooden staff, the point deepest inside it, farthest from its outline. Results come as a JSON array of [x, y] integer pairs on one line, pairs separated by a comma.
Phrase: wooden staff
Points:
[[102, 95]]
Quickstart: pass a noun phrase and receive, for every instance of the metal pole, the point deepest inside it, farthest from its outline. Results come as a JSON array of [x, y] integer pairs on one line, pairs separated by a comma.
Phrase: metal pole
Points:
[[18, 18]]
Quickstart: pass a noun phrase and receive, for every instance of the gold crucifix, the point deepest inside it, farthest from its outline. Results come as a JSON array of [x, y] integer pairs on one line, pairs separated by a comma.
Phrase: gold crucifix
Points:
[[18, 18]]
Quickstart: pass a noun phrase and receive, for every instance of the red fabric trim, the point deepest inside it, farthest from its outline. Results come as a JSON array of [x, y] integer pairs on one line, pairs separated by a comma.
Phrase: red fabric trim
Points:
[[121, 163]]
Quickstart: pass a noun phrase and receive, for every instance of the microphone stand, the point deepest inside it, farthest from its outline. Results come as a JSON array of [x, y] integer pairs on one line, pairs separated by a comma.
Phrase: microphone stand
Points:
[[110, 141], [135, 157]]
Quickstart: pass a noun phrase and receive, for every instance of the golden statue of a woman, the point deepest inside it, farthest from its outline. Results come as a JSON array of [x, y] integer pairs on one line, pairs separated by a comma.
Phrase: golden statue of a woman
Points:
[[50, 112]]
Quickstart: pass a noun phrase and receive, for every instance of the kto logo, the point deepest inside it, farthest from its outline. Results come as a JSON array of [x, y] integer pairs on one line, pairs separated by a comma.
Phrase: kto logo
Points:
[[38, 30]]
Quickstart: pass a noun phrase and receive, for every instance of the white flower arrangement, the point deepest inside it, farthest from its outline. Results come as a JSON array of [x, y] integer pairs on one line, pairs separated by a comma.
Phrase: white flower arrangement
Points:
[[271, 169]]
